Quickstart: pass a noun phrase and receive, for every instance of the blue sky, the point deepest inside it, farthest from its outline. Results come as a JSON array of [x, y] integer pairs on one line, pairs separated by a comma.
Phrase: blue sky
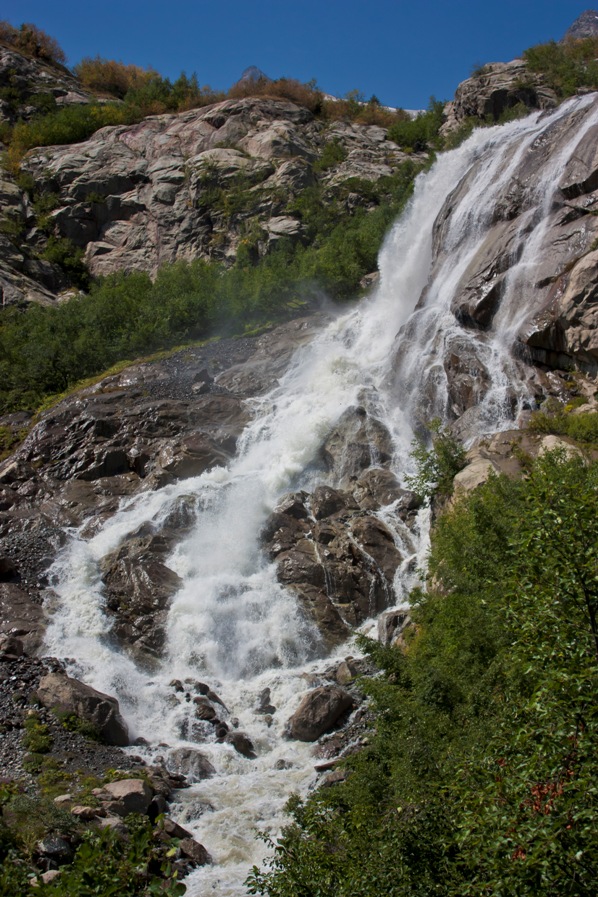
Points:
[[403, 51]]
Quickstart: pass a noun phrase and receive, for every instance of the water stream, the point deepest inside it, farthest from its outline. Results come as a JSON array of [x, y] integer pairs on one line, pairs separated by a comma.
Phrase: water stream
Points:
[[232, 624]]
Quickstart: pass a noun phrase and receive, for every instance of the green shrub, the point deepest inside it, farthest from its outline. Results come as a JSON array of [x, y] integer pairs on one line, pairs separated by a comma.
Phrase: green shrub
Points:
[[421, 133], [480, 775], [581, 427], [567, 66], [37, 737], [436, 465], [333, 154]]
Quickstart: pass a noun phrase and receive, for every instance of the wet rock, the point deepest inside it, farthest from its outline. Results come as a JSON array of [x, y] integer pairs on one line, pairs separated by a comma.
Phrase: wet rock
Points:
[[325, 502], [377, 487], [195, 852], [357, 442], [65, 695], [345, 673], [194, 765], [318, 712], [204, 709], [264, 705], [242, 743], [139, 587], [173, 829], [205, 690]]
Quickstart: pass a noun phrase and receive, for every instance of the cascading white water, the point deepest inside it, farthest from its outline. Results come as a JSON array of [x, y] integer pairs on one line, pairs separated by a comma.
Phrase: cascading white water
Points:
[[232, 624]]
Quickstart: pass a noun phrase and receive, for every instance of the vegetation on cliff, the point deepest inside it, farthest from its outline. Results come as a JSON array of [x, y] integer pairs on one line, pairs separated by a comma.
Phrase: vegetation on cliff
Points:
[[45, 350], [568, 66], [480, 776]]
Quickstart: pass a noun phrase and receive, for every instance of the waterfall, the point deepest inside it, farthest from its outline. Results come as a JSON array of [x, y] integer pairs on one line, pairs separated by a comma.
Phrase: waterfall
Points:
[[232, 624]]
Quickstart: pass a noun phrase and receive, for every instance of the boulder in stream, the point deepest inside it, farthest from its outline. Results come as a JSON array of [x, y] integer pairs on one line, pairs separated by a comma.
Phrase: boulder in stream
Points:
[[318, 712]]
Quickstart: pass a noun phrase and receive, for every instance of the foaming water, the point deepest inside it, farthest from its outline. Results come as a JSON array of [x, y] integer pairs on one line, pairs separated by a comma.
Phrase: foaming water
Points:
[[232, 624]]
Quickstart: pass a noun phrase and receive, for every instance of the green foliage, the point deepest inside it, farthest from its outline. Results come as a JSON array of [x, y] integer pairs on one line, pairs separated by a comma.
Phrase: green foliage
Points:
[[421, 133], [68, 124], [332, 155], [73, 723], [104, 863], [45, 351], [567, 66], [583, 427], [62, 251], [480, 778], [437, 465], [37, 737], [107, 864]]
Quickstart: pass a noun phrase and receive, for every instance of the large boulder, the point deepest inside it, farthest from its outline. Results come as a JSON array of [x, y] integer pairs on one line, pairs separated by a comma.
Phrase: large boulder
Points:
[[339, 561], [191, 763], [318, 712], [65, 695], [129, 796]]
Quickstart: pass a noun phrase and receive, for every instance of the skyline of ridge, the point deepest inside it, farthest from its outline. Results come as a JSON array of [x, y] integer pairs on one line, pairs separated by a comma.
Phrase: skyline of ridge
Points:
[[402, 53]]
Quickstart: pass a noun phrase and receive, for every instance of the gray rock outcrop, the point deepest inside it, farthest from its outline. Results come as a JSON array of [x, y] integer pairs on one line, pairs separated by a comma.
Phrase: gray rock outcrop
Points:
[[494, 90], [318, 712], [189, 185], [65, 695], [586, 25], [32, 81]]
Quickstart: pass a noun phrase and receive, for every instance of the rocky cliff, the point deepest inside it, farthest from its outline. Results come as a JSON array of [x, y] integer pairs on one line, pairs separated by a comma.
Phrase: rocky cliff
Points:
[[196, 184], [585, 26], [488, 289]]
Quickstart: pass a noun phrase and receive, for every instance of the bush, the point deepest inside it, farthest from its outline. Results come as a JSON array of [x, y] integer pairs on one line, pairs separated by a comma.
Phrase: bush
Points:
[[109, 76], [421, 133], [583, 427], [307, 95], [480, 775], [437, 465], [567, 66], [333, 154], [32, 41]]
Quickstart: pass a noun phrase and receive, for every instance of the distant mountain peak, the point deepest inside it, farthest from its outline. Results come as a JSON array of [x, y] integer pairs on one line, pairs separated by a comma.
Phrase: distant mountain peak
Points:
[[253, 74], [585, 26]]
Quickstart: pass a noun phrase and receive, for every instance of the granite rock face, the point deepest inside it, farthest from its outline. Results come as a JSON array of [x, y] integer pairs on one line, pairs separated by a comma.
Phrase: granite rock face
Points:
[[584, 26], [495, 89], [31, 80], [188, 185]]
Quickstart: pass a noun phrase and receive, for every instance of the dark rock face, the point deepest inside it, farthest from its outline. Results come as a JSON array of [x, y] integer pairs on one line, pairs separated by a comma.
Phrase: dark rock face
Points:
[[338, 559], [137, 430], [66, 695], [318, 712]]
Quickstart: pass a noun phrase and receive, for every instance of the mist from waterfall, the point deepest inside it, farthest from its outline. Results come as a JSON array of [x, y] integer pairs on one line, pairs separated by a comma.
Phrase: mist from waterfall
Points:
[[232, 624]]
